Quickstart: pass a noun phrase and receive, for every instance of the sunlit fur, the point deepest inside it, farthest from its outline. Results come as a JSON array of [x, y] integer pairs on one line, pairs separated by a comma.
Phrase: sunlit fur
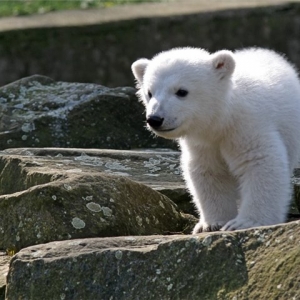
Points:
[[238, 129]]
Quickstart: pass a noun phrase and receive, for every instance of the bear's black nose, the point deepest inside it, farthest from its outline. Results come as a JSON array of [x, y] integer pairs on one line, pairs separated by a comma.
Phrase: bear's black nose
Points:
[[155, 121]]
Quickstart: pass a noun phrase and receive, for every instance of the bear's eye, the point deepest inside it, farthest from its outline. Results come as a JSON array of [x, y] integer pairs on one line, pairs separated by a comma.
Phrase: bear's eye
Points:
[[181, 93], [149, 94]]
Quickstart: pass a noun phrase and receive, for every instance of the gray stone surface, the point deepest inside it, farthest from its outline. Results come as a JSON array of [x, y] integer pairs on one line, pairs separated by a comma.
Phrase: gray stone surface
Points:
[[260, 263], [4, 266], [38, 112], [57, 194], [158, 169], [296, 184]]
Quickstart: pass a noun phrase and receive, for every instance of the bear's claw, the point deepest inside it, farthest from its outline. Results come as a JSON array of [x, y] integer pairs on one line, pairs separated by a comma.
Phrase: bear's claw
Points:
[[204, 227]]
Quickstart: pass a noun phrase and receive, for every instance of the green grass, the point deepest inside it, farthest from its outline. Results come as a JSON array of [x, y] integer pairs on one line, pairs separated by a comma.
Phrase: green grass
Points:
[[28, 7]]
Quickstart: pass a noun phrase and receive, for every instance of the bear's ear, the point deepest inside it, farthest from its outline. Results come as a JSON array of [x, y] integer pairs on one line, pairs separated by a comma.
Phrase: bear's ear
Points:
[[138, 69], [223, 63]]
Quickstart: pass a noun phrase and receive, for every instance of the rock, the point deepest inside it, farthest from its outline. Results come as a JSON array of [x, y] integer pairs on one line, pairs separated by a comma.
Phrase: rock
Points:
[[295, 207], [4, 266], [159, 169], [50, 193], [37, 111], [57, 194], [260, 263]]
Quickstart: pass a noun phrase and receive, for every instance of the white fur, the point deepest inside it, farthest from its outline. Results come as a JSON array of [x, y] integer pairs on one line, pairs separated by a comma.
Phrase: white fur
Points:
[[238, 129]]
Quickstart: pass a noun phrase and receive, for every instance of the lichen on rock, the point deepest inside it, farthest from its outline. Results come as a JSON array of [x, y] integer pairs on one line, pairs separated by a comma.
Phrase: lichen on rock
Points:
[[39, 112], [52, 203]]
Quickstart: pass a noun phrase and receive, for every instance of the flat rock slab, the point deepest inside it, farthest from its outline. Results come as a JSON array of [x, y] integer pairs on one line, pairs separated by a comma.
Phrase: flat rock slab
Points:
[[57, 194], [261, 263], [157, 168]]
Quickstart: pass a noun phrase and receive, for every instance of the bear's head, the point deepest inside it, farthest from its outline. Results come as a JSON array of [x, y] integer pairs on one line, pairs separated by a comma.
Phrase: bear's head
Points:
[[184, 90]]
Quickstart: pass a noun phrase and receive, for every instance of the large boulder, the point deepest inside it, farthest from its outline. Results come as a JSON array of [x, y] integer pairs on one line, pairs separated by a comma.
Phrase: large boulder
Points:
[[260, 263], [39, 112], [58, 194]]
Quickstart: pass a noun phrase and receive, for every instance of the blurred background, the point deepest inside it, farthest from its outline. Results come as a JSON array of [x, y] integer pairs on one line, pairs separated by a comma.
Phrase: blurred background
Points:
[[97, 41]]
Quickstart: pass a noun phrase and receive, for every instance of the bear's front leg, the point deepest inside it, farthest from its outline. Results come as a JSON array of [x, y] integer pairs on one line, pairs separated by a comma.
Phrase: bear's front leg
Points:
[[263, 171], [214, 190], [215, 197]]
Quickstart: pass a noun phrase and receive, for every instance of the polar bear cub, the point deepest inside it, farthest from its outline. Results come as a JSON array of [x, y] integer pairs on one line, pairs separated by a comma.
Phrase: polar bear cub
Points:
[[236, 116]]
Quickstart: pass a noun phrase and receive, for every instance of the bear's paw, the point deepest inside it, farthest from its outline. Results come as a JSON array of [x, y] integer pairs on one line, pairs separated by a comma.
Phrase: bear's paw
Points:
[[207, 227], [240, 223]]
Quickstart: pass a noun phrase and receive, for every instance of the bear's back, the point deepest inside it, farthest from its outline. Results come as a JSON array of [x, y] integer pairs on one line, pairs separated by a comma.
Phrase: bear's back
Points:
[[266, 79], [262, 65]]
